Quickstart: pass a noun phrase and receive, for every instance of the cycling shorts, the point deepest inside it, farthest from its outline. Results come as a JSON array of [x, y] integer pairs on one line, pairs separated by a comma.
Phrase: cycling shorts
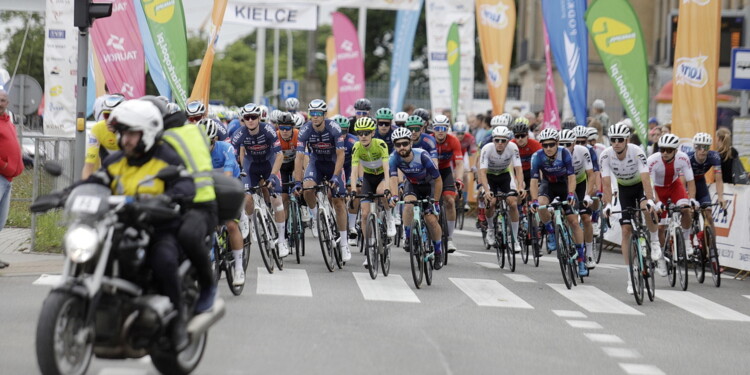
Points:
[[322, 171], [701, 191], [370, 183], [580, 194], [500, 183], [630, 197], [421, 191], [449, 184], [553, 190], [257, 172]]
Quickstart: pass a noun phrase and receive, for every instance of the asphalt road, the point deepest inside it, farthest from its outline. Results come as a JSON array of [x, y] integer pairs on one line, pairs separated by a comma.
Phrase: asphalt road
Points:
[[474, 319]]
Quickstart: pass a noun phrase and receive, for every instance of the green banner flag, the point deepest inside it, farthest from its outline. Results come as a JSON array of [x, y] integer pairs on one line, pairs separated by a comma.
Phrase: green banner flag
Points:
[[166, 22], [454, 66], [617, 35]]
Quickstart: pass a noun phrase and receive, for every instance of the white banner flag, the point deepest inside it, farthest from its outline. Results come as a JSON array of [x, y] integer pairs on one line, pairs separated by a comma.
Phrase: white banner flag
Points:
[[370, 4], [273, 16], [440, 15], [60, 64]]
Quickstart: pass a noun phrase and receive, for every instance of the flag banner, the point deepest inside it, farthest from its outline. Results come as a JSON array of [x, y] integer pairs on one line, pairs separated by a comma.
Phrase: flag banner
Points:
[[406, 28], [350, 65], [166, 22], [152, 58], [569, 43], [496, 25], [453, 49], [618, 38], [441, 14], [371, 4], [696, 67], [551, 117], [332, 82], [60, 70], [202, 86], [273, 15]]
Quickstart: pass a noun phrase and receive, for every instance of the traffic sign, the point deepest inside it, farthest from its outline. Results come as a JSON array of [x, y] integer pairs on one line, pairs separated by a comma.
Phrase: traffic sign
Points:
[[289, 89], [24, 94], [741, 69]]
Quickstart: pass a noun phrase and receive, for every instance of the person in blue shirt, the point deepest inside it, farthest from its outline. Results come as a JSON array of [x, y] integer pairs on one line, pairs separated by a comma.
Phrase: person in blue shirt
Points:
[[422, 181], [702, 159], [553, 176], [384, 119], [349, 141], [233, 126], [416, 125]]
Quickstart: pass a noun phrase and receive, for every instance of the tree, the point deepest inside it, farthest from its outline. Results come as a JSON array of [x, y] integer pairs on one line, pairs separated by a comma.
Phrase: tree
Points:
[[32, 57]]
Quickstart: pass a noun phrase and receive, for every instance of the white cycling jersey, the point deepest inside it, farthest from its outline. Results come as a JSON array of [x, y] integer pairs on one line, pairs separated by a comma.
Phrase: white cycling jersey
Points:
[[664, 174], [599, 148], [628, 170], [581, 162], [496, 163]]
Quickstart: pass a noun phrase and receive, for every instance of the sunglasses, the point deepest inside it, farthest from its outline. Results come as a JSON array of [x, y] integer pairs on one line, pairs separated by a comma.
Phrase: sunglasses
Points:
[[499, 140], [195, 118], [415, 129], [566, 144], [520, 135], [384, 124], [285, 128], [702, 147], [582, 143], [440, 128], [364, 134], [549, 145], [668, 150], [460, 134], [105, 115], [316, 113], [362, 113], [401, 144], [617, 140], [251, 117]]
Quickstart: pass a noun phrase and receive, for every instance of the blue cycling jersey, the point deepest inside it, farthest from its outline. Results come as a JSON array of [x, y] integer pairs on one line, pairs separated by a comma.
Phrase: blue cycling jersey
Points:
[[386, 137], [420, 170], [556, 169], [349, 142], [223, 157], [594, 158], [428, 143], [699, 169], [321, 145], [259, 148], [233, 126], [486, 140]]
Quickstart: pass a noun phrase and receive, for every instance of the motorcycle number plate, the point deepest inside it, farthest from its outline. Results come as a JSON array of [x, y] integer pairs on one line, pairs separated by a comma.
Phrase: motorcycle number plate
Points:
[[86, 204]]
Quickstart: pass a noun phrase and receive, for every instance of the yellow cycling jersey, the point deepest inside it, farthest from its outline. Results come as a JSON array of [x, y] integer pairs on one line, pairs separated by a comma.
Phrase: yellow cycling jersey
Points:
[[371, 157], [100, 136], [123, 177]]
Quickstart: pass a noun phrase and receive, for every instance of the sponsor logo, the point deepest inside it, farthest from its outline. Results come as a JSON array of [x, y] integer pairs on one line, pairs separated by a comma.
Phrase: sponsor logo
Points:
[[494, 74], [160, 11], [698, 2], [573, 54], [116, 42], [55, 71], [323, 146], [494, 15], [438, 56], [56, 34], [612, 36], [257, 148], [347, 45], [453, 52], [56, 90], [127, 89], [73, 72], [54, 107], [691, 71], [348, 78], [119, 6]]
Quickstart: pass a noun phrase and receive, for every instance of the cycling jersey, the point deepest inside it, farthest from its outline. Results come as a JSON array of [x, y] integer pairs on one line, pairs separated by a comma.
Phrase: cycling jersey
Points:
[[628, 170], [349, 141], [581, 162], [468, 144], [322, 144], [223, 158], [555, 169], [599, 148], [100, 136], [594, 158], [487, 139], [233, 126], [496, 163], [665, 173], [372, 157], [449, 151], [428, 143], [699, 169], [289, 149], [259, 148], [526, 152], [386, 137], [420, 170]]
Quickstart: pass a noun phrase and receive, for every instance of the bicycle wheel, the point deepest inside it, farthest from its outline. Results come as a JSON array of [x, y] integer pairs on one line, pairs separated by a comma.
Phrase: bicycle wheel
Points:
[[399, 235], [293, 230], [511, 246], [682, 260], [429, 261], [484, 239], [444, 235], [460, 212], [325, 237], [415, 257], [333, 228], [523, 239], [635, 270], [709, 239], [670, 259], [598, 246], [562, 257], [499, 244], [699, 259], [535, 234], [385, 247], [649, 268], [273, 238], [371, 245], [261, 238]]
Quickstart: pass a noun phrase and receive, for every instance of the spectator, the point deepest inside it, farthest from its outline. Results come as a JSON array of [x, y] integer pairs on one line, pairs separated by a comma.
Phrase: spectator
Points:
[[594, 123], [653, 140], [483, 130], [11, 163], [540, 117], [597, 112], [532, 119], [666, 128], [409, 108], [727, 153], [652, 123]]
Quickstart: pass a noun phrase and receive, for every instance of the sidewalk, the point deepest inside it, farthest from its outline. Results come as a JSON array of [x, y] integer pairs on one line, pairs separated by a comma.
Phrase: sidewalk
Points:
[[15, 248]]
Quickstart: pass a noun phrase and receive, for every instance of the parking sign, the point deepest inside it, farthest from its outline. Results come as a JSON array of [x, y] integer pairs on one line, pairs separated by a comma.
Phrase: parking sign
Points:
[[289, 89]]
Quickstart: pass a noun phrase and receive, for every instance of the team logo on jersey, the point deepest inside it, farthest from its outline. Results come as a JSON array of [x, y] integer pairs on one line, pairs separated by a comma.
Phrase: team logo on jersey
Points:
[[323, 146], [691, 71], [257, 148]]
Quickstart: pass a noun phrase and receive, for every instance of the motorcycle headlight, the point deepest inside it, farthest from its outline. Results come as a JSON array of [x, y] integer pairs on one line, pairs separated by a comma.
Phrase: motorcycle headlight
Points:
[[81, 243]]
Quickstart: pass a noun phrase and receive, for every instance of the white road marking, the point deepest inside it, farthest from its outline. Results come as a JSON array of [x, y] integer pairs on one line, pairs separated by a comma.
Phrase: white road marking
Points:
[[122, 371], [468, 233], [603, 338], [489, 293], [392, 288], [639, 369], [48, 280], [700, 306], [747, 296], [594, 300], [519, 278], [289, 282], [492, 266], [615, 352], [569, 314], [584, 324], [458, 253]]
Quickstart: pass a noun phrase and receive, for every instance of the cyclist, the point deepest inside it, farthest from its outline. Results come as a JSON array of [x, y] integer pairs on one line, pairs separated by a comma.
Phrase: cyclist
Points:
[[362, 108], [262, 162], [422, 182], [223, 158], [666, 168], [702, 160], [425, 115], [426, 142], [102, 140], [264, 114], [370, 155], [450, 163], [292, 105], [399, 119], [526, 147], [593, 136], [558, 180], [627, 163], [349, 141], [469, 149], [273, 118], [495, 162], [583, 166], [195, 111], [326, 144], [384, 117], [287, 135], [506, 119]]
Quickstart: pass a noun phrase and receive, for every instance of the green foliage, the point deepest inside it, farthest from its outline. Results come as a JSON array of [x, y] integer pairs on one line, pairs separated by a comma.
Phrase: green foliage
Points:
[[32, 59]]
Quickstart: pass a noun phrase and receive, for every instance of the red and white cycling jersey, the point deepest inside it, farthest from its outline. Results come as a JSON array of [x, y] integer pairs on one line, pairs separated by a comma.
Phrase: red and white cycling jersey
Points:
[[664, 174]]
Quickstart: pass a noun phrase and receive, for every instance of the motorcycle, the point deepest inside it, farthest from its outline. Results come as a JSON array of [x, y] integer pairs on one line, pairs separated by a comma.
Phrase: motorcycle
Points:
[[107, 304]]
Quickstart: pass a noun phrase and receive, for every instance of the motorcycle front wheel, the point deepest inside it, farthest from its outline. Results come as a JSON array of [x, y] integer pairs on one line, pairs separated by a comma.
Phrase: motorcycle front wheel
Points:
[[184, 362], [64, 345]]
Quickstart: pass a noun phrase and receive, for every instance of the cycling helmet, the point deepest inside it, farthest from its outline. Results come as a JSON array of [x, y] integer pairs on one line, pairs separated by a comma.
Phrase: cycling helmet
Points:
[[275, 116], [384, 114], [250, 109], [299, 120], [502, 132], [263, 113], [598, 104], [285, 118], [520, 127], [592, 133], [669, 140], [364, 124], [460, 127], [317, 105], [567, 135], [292, 104], [342, 121], [521, 121], [547, 134], [423, 113], [138, 115], [172, 108], [163, 99], [401, 133], [210, 127], [569, 124], [441, 120], [619, 129], [111, 102], [195, 108], [703, 139], [414, 120], [581, 132], [400, 118], [363, 104], [501, 120]]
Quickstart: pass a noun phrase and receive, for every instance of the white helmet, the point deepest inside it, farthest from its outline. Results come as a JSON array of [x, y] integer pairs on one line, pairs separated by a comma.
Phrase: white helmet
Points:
[[195, 108], [598, 104], [298, 120], [292, 104], [502, 132], [460, 127], [172, 108], [210, 127], [317, 105], [703, 139], [501, 120], [250, 109], [274, 117], [669, 140], [581, 131], [441, 120], [619, 129], [400, 133], [138, 115], [592, 133], [400, 118], [567, 135], [547, 134], [263, 113]]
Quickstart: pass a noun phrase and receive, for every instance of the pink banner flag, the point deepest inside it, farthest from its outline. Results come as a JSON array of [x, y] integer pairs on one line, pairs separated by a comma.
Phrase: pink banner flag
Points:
[[551, 119], [349, 62], [118, 46]]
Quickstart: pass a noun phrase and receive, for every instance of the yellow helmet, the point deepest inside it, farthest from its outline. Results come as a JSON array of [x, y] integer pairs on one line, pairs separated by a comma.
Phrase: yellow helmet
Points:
[[364, 124]]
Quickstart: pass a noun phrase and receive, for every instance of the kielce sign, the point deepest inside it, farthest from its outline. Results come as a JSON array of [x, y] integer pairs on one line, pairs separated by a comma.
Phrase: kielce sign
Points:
[[274, 16]]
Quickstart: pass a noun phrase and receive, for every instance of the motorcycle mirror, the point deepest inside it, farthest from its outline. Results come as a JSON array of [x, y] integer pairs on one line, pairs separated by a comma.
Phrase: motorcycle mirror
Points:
[[53, 168], [168, 173]]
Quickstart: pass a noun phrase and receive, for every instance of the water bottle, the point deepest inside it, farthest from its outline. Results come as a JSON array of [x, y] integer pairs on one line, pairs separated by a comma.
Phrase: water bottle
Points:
[[642, 245]]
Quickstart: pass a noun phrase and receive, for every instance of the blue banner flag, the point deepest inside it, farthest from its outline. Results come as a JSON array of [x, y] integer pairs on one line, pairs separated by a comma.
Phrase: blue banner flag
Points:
[[568, 39], [152, 59], [406, 27]]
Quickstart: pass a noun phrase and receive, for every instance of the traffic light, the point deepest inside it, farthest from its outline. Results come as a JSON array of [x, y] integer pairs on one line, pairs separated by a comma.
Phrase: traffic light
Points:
[[85, 12]]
